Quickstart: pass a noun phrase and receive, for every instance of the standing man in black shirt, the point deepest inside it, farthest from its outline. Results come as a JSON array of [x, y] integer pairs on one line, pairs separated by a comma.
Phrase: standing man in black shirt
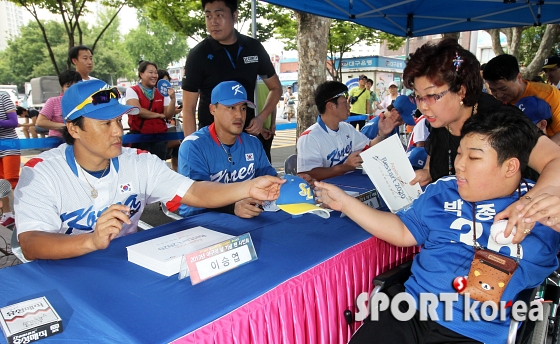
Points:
[[227, 55]]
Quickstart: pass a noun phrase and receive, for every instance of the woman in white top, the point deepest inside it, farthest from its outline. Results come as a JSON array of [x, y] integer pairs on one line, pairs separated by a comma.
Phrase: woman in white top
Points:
[[388, 99]]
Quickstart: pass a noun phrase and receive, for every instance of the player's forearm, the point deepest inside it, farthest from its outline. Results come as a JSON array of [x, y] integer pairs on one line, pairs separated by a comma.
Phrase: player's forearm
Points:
[[41, 245], [215, 195], [383, 225]]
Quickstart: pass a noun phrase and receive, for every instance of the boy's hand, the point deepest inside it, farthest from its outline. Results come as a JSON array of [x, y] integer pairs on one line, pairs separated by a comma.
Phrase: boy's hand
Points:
[[331, 196], [265, 188]]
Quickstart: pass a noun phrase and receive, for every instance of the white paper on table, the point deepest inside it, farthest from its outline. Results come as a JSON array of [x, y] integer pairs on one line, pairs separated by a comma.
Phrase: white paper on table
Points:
[[163, 254]]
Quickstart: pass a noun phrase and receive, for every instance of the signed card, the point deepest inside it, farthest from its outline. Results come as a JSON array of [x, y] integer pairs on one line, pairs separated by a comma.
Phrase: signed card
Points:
[[388, 167]]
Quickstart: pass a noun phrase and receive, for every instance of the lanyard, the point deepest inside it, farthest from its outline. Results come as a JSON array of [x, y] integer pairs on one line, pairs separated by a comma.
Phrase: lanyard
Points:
[[233, 63]]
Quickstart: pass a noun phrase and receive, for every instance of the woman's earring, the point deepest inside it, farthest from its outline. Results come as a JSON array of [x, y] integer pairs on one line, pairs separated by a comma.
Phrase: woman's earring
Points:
[[461, 102]]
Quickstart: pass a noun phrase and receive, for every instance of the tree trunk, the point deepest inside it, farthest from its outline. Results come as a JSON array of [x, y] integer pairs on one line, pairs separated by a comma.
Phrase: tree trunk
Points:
[[550, 35], [496, 45], [454, 35], [515, 40], [312, 41]]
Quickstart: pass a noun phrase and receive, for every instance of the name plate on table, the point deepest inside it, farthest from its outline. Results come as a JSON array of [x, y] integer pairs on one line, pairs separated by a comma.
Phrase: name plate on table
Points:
[[370, 198], [217, 259]]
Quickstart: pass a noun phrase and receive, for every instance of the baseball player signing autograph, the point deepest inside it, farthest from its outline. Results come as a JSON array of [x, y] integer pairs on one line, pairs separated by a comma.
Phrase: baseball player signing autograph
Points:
[[76, 198]]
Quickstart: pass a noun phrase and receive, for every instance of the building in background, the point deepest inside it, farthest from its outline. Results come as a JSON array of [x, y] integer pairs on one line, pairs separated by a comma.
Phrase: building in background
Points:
[[11, 20]]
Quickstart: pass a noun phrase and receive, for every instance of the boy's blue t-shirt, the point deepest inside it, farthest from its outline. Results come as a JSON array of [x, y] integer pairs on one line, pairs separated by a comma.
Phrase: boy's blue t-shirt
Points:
[[442, 223]]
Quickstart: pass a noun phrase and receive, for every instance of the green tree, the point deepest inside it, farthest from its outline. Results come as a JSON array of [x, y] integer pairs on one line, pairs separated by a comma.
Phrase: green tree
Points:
[[344, 35], [530, 42], [187, 17], [154, 42], [26, 56], [531, 45], [70, 13]]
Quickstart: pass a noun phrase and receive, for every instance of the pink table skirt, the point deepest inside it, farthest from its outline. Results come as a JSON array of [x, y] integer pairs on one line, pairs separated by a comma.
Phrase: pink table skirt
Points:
[[307, 308]]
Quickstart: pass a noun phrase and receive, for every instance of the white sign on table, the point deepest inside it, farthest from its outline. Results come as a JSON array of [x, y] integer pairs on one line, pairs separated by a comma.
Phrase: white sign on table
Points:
[[217, 259]]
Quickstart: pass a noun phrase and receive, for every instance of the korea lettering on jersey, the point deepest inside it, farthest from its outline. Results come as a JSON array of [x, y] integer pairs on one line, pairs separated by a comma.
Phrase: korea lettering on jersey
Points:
[[225, 176], [66, 204], [83, 220], [339, 156]]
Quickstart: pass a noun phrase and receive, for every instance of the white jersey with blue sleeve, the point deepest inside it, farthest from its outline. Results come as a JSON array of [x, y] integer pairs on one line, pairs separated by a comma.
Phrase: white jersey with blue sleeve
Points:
[[54, 194], [442, 223], [203, 157], [319, 146]]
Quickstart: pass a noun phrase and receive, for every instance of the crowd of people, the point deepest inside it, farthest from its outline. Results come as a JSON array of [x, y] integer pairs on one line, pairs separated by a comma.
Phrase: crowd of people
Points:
[[489, 139]]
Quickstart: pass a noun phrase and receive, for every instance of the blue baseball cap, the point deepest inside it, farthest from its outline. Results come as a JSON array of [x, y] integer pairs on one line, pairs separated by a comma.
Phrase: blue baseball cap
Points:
[[296, 198], [406, 109], [417, 157], [230, 93], [79, 100], [535, 108]]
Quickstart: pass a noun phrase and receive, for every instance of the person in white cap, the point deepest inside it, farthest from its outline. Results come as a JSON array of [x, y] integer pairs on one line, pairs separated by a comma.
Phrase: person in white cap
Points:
[[390, 98], [223, 153], [78, 197]]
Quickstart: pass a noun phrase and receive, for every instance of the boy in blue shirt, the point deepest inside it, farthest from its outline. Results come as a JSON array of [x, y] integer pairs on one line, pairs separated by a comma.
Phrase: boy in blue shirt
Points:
[[494, 149]]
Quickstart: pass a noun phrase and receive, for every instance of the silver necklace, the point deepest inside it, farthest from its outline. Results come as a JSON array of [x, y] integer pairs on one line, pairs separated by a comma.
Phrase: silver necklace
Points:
[[93, 191], [229, 157]]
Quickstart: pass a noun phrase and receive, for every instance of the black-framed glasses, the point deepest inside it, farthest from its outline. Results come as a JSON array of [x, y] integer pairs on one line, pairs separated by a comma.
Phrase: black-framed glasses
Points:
[[345, 94], [99, 97], [429, 99]]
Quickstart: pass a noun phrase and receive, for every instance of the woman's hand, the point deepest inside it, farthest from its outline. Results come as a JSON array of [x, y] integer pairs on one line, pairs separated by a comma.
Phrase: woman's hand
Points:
[[422, 176], [544, 208]]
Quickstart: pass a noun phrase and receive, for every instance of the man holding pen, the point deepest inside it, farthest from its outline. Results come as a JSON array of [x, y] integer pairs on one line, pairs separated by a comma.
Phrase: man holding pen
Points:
[[78, 197]]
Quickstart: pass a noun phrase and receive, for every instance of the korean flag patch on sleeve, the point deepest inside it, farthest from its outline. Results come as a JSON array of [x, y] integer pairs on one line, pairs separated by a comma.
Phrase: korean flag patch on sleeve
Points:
[[249, 157]]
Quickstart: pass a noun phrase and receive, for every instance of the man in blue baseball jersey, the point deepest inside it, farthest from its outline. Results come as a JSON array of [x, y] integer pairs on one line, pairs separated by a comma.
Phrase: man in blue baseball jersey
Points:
[[493, 151], [222, 152], [401, 111]]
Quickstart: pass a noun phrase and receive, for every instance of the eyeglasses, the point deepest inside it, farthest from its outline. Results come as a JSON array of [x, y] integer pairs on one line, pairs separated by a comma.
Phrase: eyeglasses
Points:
[[429, 99], [345, 94], [100, 97]]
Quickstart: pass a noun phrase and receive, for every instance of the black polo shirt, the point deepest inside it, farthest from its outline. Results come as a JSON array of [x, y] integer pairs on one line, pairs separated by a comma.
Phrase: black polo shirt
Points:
[[209, 63]]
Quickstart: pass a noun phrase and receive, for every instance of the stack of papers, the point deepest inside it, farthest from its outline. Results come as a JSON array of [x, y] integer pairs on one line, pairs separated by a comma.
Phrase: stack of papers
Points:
[[163, 255], [390, 171]]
